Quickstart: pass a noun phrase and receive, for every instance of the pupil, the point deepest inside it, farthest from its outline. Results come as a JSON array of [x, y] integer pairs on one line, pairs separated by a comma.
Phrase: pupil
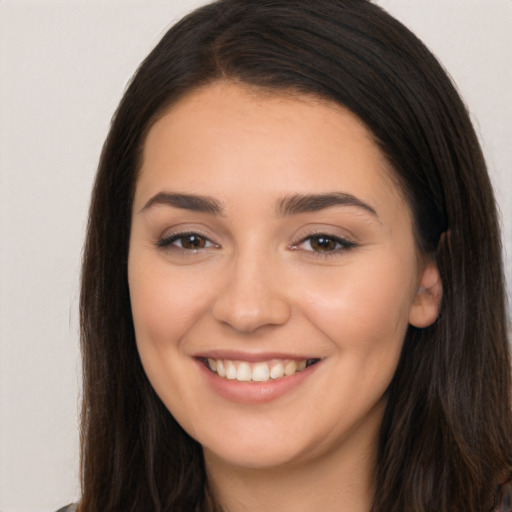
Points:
[[322, 243]]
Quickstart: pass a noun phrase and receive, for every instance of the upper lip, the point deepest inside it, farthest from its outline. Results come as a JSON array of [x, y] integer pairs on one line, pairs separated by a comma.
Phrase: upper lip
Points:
[[255, 357]]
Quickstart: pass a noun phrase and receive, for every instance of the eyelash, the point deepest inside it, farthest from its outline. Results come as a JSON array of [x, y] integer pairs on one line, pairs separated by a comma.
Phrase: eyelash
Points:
[[340, 244]]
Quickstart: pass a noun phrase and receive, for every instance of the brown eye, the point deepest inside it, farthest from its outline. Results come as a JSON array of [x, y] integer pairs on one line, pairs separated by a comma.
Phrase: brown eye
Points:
[[186, 242], [192, 241], [322, 243]]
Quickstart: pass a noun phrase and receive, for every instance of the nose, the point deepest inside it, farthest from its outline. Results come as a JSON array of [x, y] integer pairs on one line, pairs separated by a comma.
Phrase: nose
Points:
[[253, 295]]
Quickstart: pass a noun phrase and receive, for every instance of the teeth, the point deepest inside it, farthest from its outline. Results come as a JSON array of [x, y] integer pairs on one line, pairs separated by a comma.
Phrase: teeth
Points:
[[277, 371], [221, 371], [230, 370], [243, 371], [290, 368], [260, 372]]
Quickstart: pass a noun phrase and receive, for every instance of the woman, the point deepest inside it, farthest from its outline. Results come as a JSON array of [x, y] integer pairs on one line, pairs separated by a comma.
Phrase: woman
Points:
[[292, 289]]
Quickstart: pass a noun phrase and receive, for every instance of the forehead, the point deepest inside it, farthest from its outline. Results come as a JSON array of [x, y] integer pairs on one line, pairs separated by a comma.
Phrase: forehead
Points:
[[233, 139]]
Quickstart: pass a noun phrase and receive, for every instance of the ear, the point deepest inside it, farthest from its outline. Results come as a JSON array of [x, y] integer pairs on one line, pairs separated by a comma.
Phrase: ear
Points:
[[427, 301]]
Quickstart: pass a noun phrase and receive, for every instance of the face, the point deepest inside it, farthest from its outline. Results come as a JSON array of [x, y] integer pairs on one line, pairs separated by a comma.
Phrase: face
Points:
[[273, 274]]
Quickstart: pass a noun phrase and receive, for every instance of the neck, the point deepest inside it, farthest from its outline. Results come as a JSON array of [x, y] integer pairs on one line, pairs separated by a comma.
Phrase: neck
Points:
[[341, 480]]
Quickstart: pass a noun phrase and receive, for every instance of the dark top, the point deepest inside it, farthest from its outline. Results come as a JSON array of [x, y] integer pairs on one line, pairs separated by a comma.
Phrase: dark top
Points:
[[69, 508], [504, 497]]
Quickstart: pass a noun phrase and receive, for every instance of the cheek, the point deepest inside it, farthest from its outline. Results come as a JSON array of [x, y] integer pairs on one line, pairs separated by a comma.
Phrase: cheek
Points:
[[163, 302], [366, 308], [364, 314], [164, 306]]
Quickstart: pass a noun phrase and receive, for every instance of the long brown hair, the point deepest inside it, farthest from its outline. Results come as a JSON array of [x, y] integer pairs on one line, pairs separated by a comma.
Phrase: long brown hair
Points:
[[446, 435]]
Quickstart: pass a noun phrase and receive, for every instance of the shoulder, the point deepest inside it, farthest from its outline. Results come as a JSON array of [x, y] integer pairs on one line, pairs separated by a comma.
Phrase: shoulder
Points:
[[68, 508], [504, 497]]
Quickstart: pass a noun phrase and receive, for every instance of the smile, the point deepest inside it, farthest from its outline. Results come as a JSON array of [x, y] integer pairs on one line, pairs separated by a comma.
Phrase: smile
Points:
[[263, 371]]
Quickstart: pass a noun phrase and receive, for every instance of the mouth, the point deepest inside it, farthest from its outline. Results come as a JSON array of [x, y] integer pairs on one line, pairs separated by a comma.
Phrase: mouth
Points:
[[261, 371]]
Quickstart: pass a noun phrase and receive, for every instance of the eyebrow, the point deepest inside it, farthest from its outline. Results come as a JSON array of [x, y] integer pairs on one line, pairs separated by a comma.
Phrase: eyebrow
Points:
[[193, 202], [300, 203], [292, 205]]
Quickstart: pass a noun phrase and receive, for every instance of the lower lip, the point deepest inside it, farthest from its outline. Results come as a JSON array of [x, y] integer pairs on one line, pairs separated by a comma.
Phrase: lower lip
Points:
[[255, 392]]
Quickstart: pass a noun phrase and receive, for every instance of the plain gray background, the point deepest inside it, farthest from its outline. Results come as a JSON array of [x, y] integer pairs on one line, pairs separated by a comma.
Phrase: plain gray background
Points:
[[63, 67]]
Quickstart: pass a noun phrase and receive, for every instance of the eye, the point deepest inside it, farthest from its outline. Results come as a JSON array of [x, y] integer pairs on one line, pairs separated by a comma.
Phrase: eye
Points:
[[324, 243], [186, 241]]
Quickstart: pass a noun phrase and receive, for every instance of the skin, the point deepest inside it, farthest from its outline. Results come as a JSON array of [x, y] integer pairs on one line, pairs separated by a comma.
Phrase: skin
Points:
[[261, 283]]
